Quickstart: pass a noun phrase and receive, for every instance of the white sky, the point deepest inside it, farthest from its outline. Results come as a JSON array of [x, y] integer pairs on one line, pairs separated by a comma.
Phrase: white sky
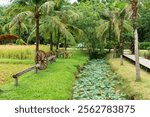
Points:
[[5, 2], [73, 1]]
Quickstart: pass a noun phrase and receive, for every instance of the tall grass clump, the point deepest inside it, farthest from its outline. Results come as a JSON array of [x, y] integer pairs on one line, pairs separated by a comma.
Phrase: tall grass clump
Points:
[[19, 51]]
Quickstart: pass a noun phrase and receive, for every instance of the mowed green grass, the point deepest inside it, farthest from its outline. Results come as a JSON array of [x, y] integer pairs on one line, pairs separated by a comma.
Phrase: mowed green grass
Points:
[[54, 83], [140, 90]]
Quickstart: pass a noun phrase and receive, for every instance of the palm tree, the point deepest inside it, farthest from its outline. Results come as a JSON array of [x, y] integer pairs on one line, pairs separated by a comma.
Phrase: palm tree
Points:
[[61, 19], [38, 8], [134, 4], [58, 23], [122, 7], [115, 19], [51, 23]]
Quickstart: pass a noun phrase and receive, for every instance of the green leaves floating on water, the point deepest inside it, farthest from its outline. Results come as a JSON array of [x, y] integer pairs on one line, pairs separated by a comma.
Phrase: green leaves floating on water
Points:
[[97, 81]]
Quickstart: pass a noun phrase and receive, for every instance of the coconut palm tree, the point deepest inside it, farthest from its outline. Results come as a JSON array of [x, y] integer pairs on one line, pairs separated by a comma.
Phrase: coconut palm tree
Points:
[[113, 19], [122, 7], [36, 10], [134, 4]]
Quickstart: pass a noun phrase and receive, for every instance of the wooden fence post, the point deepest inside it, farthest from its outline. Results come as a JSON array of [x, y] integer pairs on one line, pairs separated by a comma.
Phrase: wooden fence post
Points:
[[16, 81]]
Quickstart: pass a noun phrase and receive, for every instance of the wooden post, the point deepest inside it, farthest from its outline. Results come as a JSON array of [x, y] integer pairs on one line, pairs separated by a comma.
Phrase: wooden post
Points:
[[51, 43], [16, 76], [16, 81], [58, 39], [65, 44]]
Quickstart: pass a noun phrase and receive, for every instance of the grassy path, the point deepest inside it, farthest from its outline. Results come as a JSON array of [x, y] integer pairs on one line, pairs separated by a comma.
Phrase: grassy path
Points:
[[53, 83], [140, 90]]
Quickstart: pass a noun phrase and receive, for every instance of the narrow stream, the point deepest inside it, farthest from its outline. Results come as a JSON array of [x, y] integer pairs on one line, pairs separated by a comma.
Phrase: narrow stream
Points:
[[97, 82]]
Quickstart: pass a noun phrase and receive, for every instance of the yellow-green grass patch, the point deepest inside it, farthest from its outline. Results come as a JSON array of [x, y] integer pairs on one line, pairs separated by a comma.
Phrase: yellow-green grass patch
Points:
[[141, 90]]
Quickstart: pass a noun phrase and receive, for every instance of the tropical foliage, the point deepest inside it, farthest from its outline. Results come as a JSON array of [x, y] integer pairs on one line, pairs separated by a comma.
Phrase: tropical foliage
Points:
[[97, 24]]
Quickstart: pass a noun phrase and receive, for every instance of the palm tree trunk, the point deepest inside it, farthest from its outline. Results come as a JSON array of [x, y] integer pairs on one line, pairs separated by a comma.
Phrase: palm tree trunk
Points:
[[37, 37], [121, 42], [132, 46], [58, 39], [65, 44], [137, 55], [135, 25], [19, 30], [51, 42]]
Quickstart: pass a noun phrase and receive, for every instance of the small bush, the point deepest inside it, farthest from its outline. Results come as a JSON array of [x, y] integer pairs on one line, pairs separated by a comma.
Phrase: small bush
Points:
[[147, 55], [144, 45], [97, 54]]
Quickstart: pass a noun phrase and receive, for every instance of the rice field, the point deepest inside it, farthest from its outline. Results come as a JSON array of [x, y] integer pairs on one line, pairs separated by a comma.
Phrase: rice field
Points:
[[15, 58], [19, 51], [7, 70]]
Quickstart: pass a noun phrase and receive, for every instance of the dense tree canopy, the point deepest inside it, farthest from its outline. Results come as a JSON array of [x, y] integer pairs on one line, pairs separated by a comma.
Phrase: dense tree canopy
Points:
[[96, 23]]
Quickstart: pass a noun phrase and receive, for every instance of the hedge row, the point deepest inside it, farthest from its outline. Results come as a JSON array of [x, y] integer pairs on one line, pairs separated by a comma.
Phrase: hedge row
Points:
[[142, 45]]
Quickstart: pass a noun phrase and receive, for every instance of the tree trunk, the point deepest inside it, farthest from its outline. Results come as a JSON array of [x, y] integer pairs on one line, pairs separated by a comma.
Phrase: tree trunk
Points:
[[135, 26], [137, 56], [65, 44], [121, 41], [37, 37], [110, 30], [58, 39], [19, 29], [132, 46], [51, 42]]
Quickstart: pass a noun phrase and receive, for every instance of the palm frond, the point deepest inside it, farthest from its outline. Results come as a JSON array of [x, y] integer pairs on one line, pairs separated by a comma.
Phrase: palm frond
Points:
[[32, 34], [73, 15], [128, 26], [117, 30], [47, 6], [21, 16], [5, 28], [102, 29]]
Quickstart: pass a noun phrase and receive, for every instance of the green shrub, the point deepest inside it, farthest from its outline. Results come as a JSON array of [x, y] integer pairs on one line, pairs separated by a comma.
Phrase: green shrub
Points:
[[147, 54], [148, 49], [97, 54], [144, 45], [109, 45], [20, 42], [127, 45]]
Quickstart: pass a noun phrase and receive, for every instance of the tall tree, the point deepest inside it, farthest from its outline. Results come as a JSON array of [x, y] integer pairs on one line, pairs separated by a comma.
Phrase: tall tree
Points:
[[135, 26], [37, 9]]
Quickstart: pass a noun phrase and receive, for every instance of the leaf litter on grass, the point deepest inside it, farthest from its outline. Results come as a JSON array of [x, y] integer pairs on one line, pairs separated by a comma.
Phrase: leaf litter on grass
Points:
[[97, 81]]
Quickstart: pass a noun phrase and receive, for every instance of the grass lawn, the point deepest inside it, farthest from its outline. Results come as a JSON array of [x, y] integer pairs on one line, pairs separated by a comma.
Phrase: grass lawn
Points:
[[53, 83], [140, 90]]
